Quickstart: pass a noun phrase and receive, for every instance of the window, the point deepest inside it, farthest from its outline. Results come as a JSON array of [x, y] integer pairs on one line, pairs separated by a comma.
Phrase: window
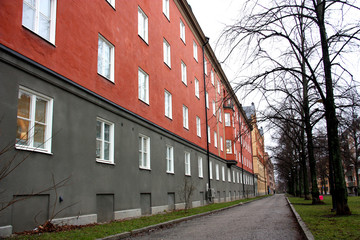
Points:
[[104, 141], [105, 65], [183, 73], [167, 59], [197, 89], [227, 120], [214, 107], [169, 159], [195, 51], [168, 104], [144, 152], [34, 121], [221, 144], [142, 25], [166, 8], [187, 164], [223, 173], [198, 126], [233, 176], [241, 178], [215, 139], [185, 117], [212, 77], [218, 87], [182, 31], [143, 86], [217, 177], [207, 100], [210, 169], [205, 66], [39, 16], [238, 177], [228, 147], [200, 166], [229, 175], [208, 135], [220, 117], [111, 2]]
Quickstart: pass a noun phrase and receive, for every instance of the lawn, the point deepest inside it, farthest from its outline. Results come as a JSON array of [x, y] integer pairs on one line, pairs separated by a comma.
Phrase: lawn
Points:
[[324, 224], [115, 227]]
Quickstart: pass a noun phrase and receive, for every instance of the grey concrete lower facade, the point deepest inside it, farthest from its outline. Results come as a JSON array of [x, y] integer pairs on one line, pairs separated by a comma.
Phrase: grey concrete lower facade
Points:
[[94, 191]]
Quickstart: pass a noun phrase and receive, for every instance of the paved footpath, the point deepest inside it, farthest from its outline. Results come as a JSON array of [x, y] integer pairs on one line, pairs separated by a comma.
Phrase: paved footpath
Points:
[[268, 218]]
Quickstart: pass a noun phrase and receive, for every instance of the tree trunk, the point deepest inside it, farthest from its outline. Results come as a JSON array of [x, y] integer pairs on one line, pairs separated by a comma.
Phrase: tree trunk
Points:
[[342, 207]]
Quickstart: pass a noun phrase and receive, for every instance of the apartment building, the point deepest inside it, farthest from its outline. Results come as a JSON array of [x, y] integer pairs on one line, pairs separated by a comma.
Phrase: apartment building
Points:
[[107, 107]]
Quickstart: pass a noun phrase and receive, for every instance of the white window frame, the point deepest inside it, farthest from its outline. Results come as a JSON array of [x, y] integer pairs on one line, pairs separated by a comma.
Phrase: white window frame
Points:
[[101, 70], [215, 140], [143, 25], [218, 87], [187, 164], [30, 132], [143, 93], [166, 8], [207, 99], [214, 107], [221, 144], [111, 2], [35, 25], [233, 175], [198, 126], [228, 148], [209, 136], [220, 117], [217, 175], [144, 163], [182, 30], [167, 53], [200, 167], [183, 73], [211, 169], [205, 66], [229, 174], [195, 50], [185, 117], [197, 88], [238, 177], [227, 120], [168, 104], [103, 141], [223, 173], [169, 159], [212, 76]]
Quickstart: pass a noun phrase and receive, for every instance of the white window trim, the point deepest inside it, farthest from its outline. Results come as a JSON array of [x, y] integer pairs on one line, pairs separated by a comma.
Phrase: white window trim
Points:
[[185, 117], [227, 120], [195, 50], [170, 168], [215, 139], [187, 164], [221, 144], [166, 8], [111, 2], [198, 126], [214, 107], [146, 99], [207, 99], [112, 59], [143, 21], [168, 104], [220, 117], [229, 175], [167, 53], [209, 135], [182, 31], [223, 173], [141, 161], [212, 77], [211, 169], [217, 173], [52, 31], [112, 144], [205, 66], [48, 122], [183, 73], [230, 150], [233, 174], [197, 88], [200, 167]]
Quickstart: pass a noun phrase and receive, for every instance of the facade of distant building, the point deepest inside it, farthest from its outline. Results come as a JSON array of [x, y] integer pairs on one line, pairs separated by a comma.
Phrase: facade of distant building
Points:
[[270, 179], [127, 101]]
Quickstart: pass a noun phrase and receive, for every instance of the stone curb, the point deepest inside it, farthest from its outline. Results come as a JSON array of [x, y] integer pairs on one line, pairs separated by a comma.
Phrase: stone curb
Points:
[[169, 223], [305, 230]]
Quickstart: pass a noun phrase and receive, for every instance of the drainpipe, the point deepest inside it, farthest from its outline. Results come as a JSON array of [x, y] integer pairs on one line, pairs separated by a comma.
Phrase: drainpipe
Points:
[[206, 119]]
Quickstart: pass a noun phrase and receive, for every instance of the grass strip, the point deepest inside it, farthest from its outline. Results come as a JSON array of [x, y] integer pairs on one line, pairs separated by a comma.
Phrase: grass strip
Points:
[[115, 227], [324, 224]]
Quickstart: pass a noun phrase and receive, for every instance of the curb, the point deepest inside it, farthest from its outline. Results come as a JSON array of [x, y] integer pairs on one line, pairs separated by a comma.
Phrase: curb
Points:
[[305, 230], [169, 223]]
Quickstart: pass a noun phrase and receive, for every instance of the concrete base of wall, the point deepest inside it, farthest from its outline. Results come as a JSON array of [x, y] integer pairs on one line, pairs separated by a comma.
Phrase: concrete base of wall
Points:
[[124, 214], [179, 206], [78, 220], [5, 231], [159, 209], [195, 204]]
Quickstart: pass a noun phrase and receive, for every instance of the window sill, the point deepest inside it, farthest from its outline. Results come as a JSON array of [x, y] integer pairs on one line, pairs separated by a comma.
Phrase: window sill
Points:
[[187, 175], [146, 169], [105, 162], [167, 65], [32, 149], [145, 41], [171, 173], [110, 80], [48, 41]]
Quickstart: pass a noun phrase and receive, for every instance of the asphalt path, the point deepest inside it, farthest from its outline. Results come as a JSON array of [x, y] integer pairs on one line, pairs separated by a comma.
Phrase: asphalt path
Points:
[[268, 218]]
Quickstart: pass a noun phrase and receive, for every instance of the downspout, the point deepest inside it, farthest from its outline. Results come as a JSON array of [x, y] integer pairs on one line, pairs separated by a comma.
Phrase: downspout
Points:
[[206, 120]]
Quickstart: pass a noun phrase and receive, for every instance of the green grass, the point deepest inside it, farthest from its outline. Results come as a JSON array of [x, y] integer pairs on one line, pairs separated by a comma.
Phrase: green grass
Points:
[[324, 224], [115, 227]]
